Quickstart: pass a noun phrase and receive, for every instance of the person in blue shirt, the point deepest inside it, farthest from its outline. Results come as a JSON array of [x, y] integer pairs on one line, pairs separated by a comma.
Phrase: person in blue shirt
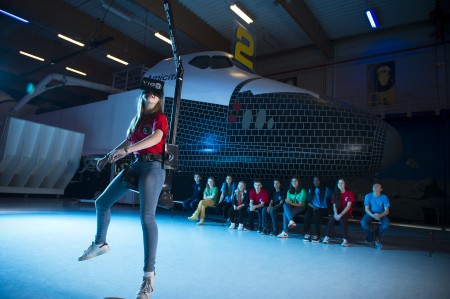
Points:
[[318, 199], [377, 208], [275, 206], [227, 192], [191, 203]]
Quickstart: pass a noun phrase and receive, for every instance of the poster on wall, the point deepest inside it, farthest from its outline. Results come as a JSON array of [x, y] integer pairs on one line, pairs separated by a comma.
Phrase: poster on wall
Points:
[[381, 84]]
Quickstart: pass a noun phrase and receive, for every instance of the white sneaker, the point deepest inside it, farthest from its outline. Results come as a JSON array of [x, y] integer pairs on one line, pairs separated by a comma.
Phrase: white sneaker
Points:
[[292, 224], [232, 226], [283, 235], [344, 243], [93, 251], [326, 240], [146, 289], [241, 226]]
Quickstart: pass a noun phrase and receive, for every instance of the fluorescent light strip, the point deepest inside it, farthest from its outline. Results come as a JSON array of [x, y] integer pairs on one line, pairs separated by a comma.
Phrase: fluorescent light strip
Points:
[[70, 40], [162, 37], [371, 16], [32, 56], [241, 14], [117, 59], [13, 16], [75, 71]]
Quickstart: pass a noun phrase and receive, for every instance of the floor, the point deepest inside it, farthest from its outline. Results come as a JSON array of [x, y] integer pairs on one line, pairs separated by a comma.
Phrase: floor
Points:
[[40, 240]]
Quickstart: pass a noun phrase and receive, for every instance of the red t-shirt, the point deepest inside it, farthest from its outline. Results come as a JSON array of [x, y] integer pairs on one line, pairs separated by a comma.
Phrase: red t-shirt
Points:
[[145, 128], [261, 197], [346, 197]]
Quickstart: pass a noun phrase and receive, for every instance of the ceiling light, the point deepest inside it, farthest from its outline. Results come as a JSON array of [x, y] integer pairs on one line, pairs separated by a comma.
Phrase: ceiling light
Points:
[[13, 16], [32, 56], [70, 40], [117, 59], [75, 71], [241, 14], [372, 19], [162, 37]]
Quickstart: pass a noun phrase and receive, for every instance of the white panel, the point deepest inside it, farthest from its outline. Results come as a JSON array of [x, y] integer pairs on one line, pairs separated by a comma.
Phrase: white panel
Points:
[[38, 158]]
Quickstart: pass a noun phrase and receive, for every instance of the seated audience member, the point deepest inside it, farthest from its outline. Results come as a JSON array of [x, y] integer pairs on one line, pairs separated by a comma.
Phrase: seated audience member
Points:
[[293, 205], [342, 201], [275, 206], [240, 204], [316, 208], [191, 203], [377, 208], [259, 198], [210, 196], [227, 190]]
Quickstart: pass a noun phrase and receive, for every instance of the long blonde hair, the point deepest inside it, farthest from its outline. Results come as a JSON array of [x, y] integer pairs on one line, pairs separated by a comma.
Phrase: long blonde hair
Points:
[[140, 105]]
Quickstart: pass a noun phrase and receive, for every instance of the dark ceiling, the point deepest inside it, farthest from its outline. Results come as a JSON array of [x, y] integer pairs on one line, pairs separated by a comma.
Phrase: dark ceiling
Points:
[[125, 28]]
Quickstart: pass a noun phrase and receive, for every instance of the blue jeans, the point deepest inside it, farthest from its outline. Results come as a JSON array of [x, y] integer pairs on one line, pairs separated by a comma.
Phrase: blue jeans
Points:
[[151, 179], [273, 216], [366, 222], [191, 203]]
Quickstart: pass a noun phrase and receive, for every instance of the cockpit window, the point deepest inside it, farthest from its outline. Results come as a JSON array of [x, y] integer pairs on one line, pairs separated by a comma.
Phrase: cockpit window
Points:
[[202, 62], [221, 62], [215, 62]]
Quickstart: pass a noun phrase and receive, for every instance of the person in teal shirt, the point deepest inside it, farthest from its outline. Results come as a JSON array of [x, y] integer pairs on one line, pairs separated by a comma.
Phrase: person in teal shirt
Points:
[[293, 205], [210, 196]]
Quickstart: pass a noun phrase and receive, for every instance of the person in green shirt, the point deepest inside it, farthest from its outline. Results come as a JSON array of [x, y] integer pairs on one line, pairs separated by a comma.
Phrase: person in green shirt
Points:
[[293, 205], [210, 196]]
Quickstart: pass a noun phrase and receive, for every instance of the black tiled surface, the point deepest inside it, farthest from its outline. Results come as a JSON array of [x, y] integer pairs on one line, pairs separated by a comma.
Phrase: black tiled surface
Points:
[[277, 135]]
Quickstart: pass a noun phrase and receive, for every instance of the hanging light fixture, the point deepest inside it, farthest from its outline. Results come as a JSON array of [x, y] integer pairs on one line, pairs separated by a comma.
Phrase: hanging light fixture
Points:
[[117, 59], [70, 40], [162, 37], [372, 18], [241, 13], [31, 56]]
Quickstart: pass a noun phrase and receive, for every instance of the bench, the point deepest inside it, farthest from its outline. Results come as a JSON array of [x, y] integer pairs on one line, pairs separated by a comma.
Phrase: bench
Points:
[[430, 229]]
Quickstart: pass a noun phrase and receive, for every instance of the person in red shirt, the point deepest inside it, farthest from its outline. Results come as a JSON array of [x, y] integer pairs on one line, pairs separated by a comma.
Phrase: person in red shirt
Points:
[[342, 202], [146, 138], [259, 198]]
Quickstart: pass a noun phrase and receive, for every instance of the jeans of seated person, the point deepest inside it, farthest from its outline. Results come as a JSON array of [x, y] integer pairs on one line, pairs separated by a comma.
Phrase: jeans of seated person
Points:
[[366, 226], [191, 203], [151, 179], [273, 216], [342, 221], [251, 218], [242, 212], [316, 216], [289, 212], [202, 205], [223, 208]]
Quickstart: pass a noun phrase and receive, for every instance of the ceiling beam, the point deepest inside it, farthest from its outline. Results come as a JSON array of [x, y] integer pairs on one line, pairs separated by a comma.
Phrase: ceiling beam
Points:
[[303, 16], [187, 22]]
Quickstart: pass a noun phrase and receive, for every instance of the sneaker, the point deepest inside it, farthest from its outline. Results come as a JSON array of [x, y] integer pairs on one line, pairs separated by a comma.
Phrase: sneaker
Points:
[[193, 218], [241, 226], [93, 251], [146, 289], [315, 239], [232, 226], [326, 240], [344, 243], [306, 238], [273, 233], [378, 245], [291, 224], [283, 235]]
